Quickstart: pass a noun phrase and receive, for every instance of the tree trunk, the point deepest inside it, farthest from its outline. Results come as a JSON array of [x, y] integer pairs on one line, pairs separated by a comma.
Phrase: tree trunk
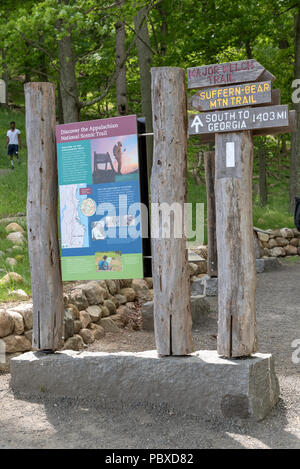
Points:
[[295, 148], [47, 292], [236, 260], [212, 256], [68, 83], [121, 87], [263, 191], [164, 27], [5, 77], [172, 312], [145, 61]]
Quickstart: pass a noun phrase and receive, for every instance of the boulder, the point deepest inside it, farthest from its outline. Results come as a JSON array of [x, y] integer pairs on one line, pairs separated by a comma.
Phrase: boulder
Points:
[[19, 294], [11, 261], [149, 281], [141, 288], [271, 244], [16, 343], [26, 310], [108, 325], [16, 238], [6, 323], [280, 241], [18, 322], [94, 293], [147, 316], [10, 278], [291, 250], [75, 311], [112, 287], [295, 242], [192, 269], [68, 324], [104, 311], [263, 237], [103, 285], [13, 228], [129, 293], [78, 298], [296, 233], [85, 319], [125, 283], [287, 232], [74, 343], [94, 313], [98, 331], [110, 305], [77, 326], [28, 335], [87, 336], [277, 252]]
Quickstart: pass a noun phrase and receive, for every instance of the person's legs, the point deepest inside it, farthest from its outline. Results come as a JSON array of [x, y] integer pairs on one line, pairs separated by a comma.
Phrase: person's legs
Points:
[[10, 153], [16, 152]]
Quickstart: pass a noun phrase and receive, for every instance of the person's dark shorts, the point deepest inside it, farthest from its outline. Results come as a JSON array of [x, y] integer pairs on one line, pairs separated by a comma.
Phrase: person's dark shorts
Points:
[[13, 150]]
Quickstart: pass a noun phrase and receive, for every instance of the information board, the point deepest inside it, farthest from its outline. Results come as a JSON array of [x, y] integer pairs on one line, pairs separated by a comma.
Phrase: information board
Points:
[[99, 195]]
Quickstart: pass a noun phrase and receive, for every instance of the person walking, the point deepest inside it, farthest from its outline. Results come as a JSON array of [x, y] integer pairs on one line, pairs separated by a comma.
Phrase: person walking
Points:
[[117, 152], [13, 143]]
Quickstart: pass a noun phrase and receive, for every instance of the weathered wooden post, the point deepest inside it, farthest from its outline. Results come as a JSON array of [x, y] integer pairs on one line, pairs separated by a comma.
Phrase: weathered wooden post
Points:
[[172, 313], [47, 293], [212, 256]]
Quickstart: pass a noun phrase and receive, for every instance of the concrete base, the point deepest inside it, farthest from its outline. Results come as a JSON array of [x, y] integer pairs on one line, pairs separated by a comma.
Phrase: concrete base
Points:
[[210, 285], [199, 306], [267, 264], [200, 384]]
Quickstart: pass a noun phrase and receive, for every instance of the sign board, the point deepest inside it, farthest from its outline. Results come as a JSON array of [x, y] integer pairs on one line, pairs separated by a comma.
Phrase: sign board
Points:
[[2, 91], [235, 120], [99, 193], [210, 99], [224, 74]]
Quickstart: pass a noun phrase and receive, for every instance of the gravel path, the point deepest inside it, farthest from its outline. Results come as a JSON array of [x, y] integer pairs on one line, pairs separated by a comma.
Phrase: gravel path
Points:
[[82, 424]]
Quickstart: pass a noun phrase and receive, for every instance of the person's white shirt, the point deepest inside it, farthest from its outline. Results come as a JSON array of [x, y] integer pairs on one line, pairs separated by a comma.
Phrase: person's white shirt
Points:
[[13, 136]]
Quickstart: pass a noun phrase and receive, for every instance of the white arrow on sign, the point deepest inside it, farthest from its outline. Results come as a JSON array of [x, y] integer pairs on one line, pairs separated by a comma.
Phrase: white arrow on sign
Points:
[[196, 122]]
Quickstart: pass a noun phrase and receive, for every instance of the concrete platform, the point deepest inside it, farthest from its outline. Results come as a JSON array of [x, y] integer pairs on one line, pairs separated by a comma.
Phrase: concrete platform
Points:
[[266, 264], [201, 384]]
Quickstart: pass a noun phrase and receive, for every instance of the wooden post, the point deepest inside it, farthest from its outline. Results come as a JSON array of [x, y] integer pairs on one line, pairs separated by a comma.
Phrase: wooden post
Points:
[[236, 262], [172, 313], [47, 293], [212, 256]]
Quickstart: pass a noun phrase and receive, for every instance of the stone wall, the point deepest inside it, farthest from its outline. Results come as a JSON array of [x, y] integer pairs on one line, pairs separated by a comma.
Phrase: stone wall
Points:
[[279, 243]]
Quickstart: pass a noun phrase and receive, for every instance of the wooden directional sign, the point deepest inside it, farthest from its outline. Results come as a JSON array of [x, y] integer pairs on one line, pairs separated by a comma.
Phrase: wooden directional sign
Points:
[[224, 74], [210, 99], [235, 120]]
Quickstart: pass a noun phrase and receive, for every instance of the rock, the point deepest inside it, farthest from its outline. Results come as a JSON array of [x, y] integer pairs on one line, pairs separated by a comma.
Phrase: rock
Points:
[[5, 367], [120, 319], [110, 306], [263, 237], [16, 238], [94, 312], [147, 316], [78, 298], [11, 261], [75, 311], [18, 322], [272, 243], [141, 288], [287, 233], [19, 294], [94, 293], [129, 293], [125, 283], [16, 343], [149, 281], [201, 251], [66, 300], [77, 326], [298, 250], [192, 269], [74, 343], [103, 285], [14, 228], [6, 323], [296, 233], [17, 248], [20, 214], [295, 242], [112, 287], [197, 287], [10, 278], [87, 336], [257, 249], [68, 324], [98, 331], [108, 325], [200, 309], [121, 299], [28, 335], [281, 241], [291, 250], [266, 252], [277, 252], [85, 319], [104, 311], [26, 310]]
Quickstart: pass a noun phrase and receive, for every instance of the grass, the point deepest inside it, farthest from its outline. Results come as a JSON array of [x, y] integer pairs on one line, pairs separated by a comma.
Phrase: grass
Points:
[[13, 192]]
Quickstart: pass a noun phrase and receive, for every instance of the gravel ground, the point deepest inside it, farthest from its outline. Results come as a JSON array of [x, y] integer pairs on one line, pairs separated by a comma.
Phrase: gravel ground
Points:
[[83, 424]]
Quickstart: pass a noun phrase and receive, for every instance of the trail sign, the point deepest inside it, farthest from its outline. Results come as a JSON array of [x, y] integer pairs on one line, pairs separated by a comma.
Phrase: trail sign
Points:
[[239, 119], [210, 99], [224, 74]]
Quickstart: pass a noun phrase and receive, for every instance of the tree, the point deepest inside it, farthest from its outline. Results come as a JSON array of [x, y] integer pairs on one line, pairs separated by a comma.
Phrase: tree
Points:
[[121, 86]]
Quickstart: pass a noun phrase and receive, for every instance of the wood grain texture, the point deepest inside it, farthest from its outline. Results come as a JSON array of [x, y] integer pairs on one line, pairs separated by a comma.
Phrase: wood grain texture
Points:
[[236, 260], [212, 256], [47, 293], [172, 313]]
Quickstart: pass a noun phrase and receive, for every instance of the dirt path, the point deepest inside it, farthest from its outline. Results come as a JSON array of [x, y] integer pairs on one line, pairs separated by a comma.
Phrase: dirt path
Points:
[[69, 424]]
